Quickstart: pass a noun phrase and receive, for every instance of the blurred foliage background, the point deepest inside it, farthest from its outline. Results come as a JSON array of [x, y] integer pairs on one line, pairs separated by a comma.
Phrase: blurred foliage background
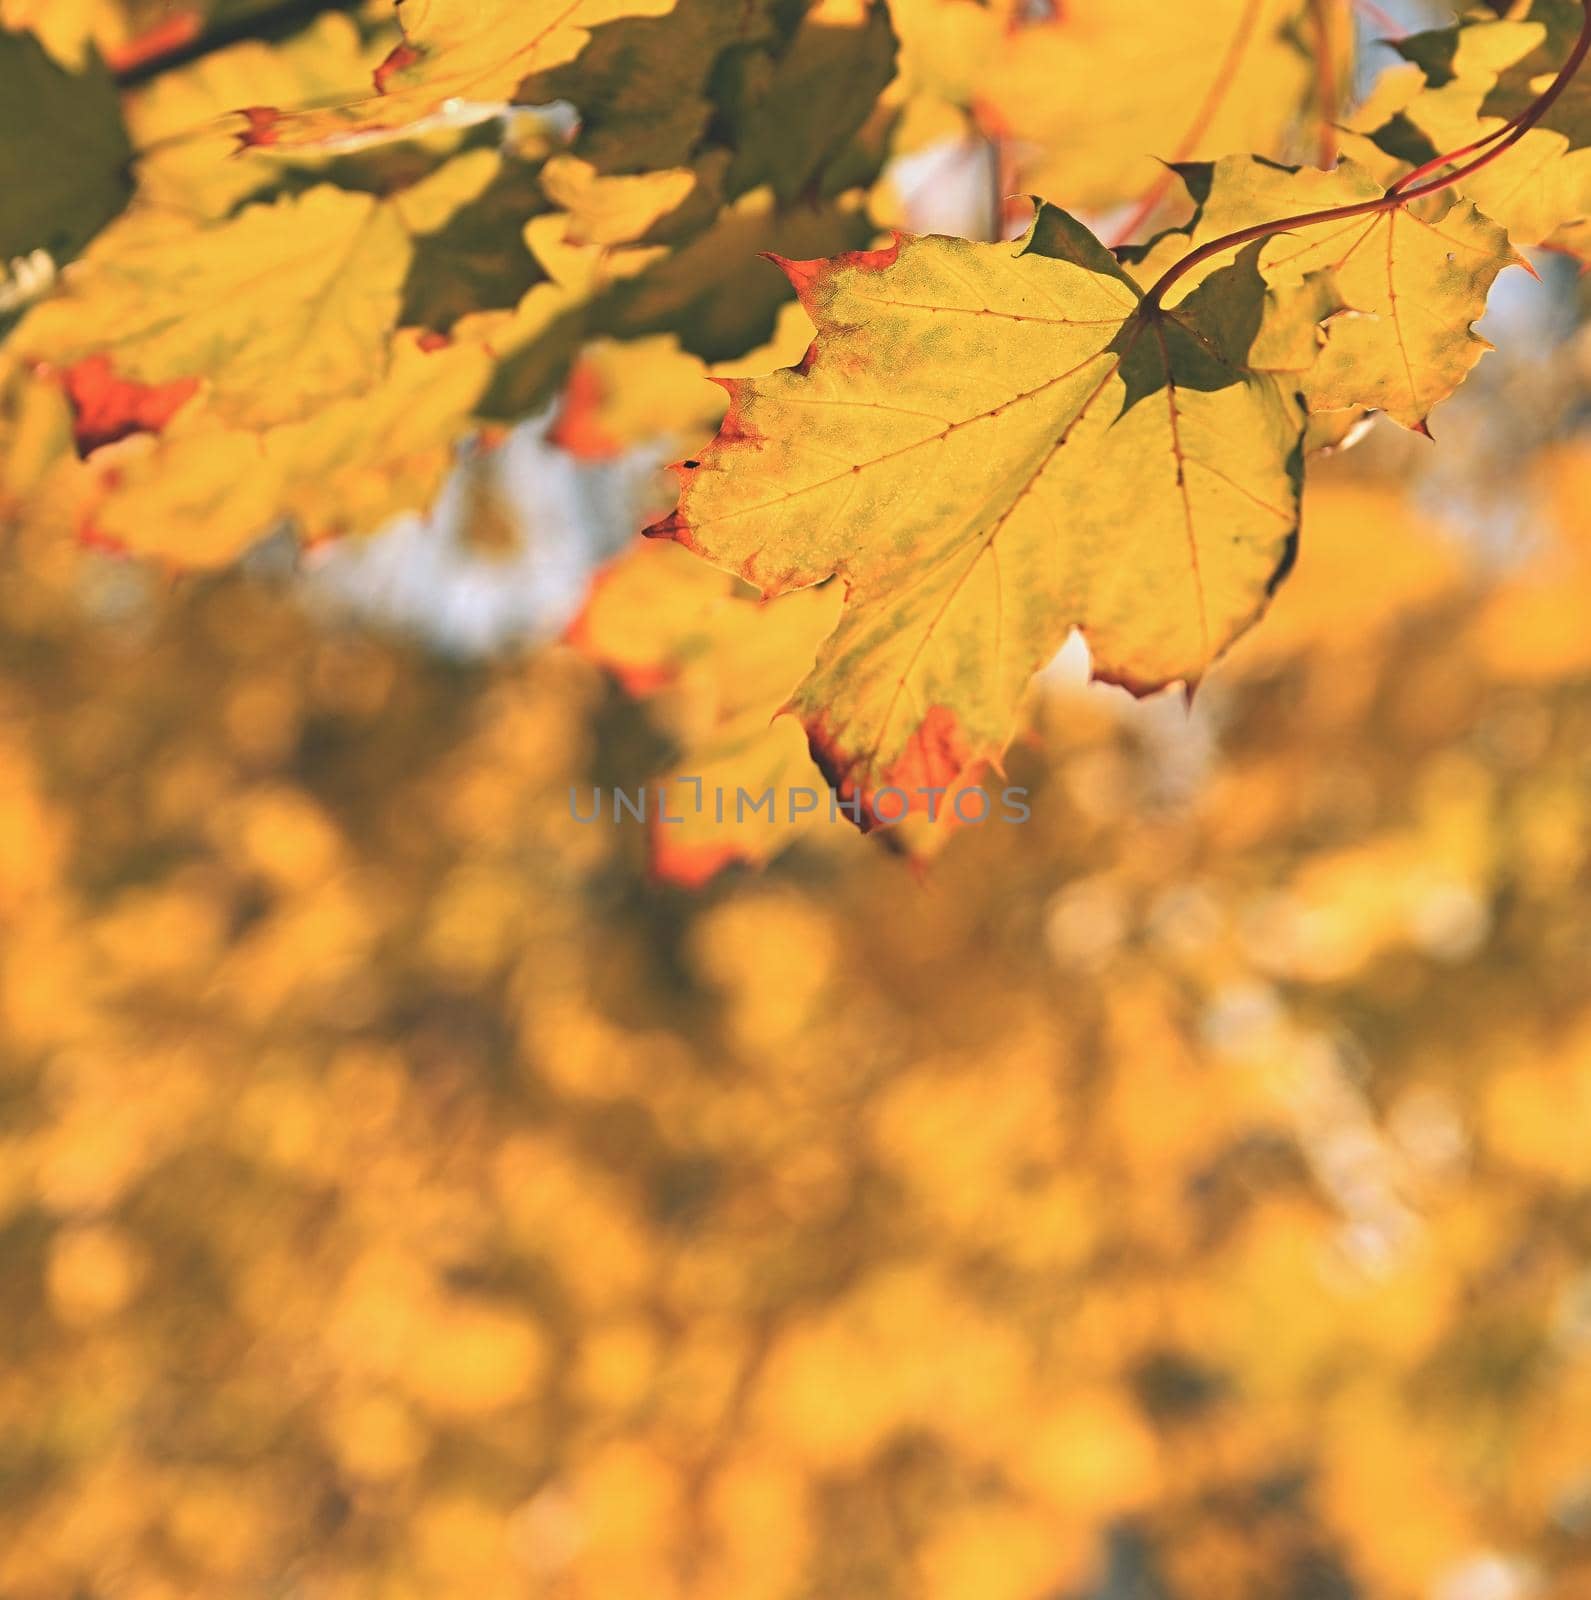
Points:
[[1183, 1196]]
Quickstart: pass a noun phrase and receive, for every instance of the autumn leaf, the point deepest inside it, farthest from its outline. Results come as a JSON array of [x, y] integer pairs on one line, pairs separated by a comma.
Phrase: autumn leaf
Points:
[[946, 47], [454, 52], [181, 121], [1463, 88], [714, 664], [132, 36], [991, 445], [712, 290], [1413, 279], [72, 30], [269, 381], [613, 210], [65, 28], [200, 492], [275, 310], [1459, 87]]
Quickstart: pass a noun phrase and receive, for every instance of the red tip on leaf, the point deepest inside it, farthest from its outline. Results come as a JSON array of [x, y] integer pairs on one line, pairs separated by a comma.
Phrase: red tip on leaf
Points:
[[430, 341], [805, 276], [733, 430], [873, 260], [263, 127], [935, 757], [802, 274], [107, 407], [1423, 428], [946, 813], [685, 864], [167, 36], [673, 526], [400, 59], [578, 426]]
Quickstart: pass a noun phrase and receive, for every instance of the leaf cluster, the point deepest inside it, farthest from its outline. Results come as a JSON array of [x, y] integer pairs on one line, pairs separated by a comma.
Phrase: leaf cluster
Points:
[[317, 261]]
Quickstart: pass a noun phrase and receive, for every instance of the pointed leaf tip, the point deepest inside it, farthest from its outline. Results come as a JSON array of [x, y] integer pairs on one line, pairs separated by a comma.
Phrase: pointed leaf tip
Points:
[[805, 276], [401, 58]]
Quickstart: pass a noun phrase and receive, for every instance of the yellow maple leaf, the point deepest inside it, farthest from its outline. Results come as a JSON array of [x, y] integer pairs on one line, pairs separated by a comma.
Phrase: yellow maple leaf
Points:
[[992, 444], [199, 493], [1413, 279], [1540, 188], [457, 56], [265, 378], [275, 310], [180, 121], [1459, 86]]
